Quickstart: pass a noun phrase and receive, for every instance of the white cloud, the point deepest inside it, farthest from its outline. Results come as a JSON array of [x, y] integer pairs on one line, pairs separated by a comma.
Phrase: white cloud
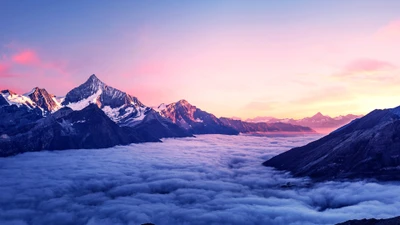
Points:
[[212, 179]]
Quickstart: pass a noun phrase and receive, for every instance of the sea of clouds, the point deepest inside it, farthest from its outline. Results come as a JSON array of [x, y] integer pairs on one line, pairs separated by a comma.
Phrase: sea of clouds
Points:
[[211, 179]]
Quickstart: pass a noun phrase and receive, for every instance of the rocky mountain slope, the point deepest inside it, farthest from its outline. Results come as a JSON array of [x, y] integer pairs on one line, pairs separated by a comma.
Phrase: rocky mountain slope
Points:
[[43, 99], [368, 147]]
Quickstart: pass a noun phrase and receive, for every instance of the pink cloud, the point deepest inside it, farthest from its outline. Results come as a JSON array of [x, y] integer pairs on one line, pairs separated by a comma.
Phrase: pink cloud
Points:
[[390, 30], [365, 66], [27, 57]]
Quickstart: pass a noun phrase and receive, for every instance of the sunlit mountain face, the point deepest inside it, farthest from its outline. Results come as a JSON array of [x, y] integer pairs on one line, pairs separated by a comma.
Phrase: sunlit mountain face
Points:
[[199, 112]]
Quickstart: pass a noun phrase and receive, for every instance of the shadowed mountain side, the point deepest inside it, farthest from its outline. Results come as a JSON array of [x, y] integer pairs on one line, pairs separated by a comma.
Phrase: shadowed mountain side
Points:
[[390, 221], [368, 147], [68, 129], [159, 127]]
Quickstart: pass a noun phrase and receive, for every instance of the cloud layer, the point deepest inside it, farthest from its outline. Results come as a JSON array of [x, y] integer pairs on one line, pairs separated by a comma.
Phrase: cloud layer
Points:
[[211, 179]]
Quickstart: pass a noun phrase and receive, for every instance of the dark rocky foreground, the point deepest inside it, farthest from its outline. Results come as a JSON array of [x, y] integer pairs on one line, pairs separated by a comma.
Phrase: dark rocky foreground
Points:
[[391, 221], [368, 147]]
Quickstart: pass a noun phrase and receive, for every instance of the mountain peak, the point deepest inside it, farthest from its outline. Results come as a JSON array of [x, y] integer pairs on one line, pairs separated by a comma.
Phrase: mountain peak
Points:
[[94, 77], [94, 83], [318, 115], [183, 102]]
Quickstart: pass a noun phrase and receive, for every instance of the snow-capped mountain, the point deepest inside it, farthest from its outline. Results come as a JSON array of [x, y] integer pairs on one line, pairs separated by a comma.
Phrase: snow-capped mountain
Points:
[[193, 119], [121, 107], [367, 147], [319, 122], [124, 109]]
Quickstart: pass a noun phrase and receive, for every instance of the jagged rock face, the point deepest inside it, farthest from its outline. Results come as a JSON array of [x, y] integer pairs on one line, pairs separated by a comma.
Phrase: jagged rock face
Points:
[[121, 107], [43, 99], [390, 221], [368, 147], [68, 129], [245, 127], [195, 120]]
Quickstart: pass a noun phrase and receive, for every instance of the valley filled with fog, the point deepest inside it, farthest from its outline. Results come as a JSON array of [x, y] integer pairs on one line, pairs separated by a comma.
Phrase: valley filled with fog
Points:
[[211, 179]]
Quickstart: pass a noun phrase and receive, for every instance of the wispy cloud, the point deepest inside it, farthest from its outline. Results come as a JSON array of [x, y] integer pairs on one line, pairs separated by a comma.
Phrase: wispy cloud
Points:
[[27, 57], [368, 70], [366, 66]]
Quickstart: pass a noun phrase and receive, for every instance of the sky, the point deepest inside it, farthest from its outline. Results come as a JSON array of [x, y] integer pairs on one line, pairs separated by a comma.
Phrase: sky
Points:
[[231, 58]]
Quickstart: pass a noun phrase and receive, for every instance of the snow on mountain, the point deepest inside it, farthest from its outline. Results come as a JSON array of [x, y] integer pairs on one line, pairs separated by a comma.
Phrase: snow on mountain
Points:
[[121, 107], [79, 105], [19, 100]]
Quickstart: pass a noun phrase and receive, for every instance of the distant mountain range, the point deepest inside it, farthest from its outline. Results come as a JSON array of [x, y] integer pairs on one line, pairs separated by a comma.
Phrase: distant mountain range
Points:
[[263, 127], [368, 147], [95, 115], [320, 123]]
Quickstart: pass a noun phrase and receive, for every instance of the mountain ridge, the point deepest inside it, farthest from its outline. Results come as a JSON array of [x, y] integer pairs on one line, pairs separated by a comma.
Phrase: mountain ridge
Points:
[[365, 148], [59, 123]]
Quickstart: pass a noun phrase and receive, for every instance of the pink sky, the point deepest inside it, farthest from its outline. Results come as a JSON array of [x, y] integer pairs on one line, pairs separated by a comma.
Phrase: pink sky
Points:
[[244, 70]]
